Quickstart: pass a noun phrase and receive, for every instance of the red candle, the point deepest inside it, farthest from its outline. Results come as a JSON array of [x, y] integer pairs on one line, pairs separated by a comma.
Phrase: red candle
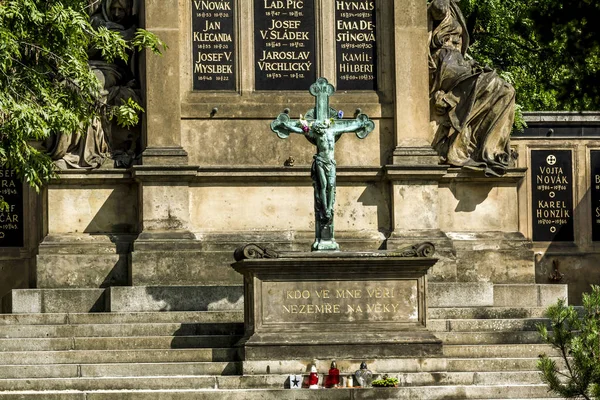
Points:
[[313, 378], [333, 378]]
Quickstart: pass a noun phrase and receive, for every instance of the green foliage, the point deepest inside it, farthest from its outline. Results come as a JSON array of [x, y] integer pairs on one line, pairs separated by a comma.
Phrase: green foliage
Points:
[[385, 382], [577, 337], [46, 86], [128, 113], [551, 48], [146, 40]]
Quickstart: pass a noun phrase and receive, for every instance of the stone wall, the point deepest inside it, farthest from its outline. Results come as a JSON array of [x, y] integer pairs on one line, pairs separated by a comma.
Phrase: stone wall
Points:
[[213, 176], [17, 264], [577, 259]]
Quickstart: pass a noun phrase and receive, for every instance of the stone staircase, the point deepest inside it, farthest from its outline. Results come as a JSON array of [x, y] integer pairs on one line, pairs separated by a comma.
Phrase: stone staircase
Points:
[[490, 352]]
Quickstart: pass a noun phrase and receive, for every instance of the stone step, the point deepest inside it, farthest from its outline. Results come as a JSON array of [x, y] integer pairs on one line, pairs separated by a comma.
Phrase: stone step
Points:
[[117, 356], [460, 294], [486, 325], [255, 382], [122, 318], [478, 338], [119, 370], [495, 364], [110, 383], [118, 343], [499, 351], [380, 365], [39, 371], [485, 313], [126, 299], [403, 393], [161, 369], [528, 295], [55, 300], [471, 378], [486, 294], [42, 396], [175, 298], [234, 368], [119, 330], [454, 365], [458, 361]]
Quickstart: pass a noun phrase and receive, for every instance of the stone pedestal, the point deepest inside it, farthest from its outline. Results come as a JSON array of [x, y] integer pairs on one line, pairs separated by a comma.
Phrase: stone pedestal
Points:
[[343, 305]]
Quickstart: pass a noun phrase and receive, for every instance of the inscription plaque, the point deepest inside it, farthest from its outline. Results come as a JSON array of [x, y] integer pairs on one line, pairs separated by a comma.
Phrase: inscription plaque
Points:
[[342, 302], [284, 43], [213, 45], [552, 197], [11, 220], [356, 45], [335, 304], [595, 193]]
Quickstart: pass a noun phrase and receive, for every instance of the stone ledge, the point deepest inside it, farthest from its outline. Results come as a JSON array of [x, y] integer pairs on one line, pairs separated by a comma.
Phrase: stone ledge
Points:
[[512, 176], [267, 174], [565, 117], [425, 172], [199, 105], [91, 177]]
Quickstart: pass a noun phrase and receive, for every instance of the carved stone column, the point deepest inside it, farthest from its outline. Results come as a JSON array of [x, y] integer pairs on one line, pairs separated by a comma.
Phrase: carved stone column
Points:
[[411, 76], [414, 173], [162, 87], [164, 176]]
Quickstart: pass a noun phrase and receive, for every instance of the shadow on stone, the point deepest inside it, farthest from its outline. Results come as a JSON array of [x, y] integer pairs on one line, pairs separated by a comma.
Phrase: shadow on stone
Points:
[[376, 195], [121, 205], [469, 196], [188, 298]]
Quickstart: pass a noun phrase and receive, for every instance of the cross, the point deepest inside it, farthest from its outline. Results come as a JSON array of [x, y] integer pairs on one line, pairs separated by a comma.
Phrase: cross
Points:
[[323, 126]]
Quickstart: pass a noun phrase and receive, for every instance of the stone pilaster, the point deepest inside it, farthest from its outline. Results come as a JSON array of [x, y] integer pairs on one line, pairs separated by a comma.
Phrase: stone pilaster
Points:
[[411, 77], [162, 87], [415, 209], [414, 174]]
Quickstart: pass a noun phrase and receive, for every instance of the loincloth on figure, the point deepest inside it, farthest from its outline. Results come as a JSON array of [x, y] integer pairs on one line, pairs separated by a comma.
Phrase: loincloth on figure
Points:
[[327, 165]]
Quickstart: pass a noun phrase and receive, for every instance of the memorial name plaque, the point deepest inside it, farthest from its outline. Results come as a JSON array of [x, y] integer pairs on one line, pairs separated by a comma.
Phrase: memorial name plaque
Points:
[[356, 45], [595, 192], [342, 302], [11, 219], [552, 187], [284, 43], [213, 45], [334, 304]]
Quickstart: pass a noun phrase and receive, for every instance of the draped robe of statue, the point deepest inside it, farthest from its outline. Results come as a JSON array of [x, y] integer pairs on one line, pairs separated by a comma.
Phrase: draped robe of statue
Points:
[[90, 150], [472, 108]]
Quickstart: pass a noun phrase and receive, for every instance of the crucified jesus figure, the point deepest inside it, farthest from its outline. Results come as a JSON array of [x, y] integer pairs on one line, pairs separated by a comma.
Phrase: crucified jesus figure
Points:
[[322, 127]]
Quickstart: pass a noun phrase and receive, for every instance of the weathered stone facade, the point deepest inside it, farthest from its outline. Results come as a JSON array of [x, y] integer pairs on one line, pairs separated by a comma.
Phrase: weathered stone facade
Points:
[[213, 176]]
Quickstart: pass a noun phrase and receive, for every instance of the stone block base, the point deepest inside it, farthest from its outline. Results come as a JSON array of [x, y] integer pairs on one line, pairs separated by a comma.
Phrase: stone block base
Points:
[[33, 301], [180, 262], [175, 298], [341, 305], [83, 261], [380, 365], [183, 258], [391, 344], [461, 294], [485, 294], [496, 257], [528, 295]]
